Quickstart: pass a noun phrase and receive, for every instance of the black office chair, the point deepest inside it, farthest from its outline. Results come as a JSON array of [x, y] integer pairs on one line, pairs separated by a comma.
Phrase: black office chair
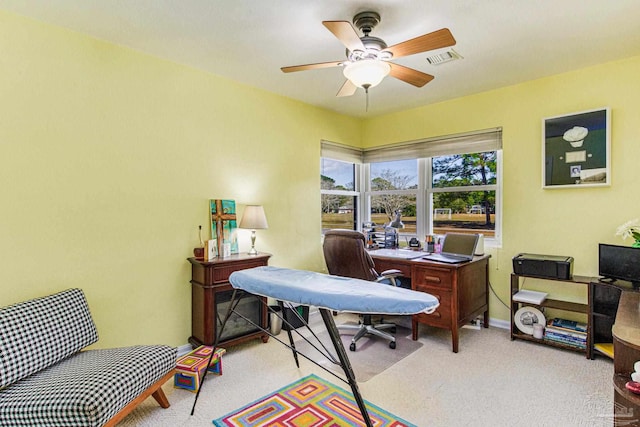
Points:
[[345, 255]]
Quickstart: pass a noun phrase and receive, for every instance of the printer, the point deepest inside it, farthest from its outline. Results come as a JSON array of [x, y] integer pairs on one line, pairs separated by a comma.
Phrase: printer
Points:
[[544, 266]]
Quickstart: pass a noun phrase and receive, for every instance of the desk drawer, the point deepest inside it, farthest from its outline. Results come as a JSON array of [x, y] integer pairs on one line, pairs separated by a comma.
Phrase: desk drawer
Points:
[[383, 264], [442, 315], [440, 277]]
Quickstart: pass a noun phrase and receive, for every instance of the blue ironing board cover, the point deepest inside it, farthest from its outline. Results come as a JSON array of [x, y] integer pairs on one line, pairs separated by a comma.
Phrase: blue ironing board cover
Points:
[[332, 292]]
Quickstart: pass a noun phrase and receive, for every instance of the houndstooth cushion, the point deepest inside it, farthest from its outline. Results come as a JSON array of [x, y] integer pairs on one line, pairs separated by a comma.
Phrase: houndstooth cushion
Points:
[[86, 389], [40, 332]]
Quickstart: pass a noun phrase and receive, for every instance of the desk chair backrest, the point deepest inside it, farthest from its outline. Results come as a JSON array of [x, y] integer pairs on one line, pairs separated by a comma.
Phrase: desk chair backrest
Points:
[[345, 255]]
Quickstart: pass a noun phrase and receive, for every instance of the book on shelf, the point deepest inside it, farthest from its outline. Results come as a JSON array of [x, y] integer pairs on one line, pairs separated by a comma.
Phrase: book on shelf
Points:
[[557, 328], [604, 348], [570, 337], [569, 324], [566, 332], [563, 337], [574, 334], [566, 341], [578, 344], [531, 297], [568, 344]]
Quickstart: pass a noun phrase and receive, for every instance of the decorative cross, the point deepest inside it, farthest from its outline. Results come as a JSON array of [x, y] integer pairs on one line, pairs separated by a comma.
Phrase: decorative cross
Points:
[[219, 216]]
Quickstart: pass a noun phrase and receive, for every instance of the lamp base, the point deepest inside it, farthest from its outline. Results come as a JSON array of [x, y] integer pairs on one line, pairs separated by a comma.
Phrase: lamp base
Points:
[[253, 243]]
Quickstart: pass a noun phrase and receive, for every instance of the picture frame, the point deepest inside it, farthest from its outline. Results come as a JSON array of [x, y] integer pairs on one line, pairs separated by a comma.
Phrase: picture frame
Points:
[[210, 249], [576, 149]]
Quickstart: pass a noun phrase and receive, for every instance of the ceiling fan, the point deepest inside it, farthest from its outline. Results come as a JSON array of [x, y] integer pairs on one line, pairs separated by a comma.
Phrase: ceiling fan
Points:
[[369, 58]]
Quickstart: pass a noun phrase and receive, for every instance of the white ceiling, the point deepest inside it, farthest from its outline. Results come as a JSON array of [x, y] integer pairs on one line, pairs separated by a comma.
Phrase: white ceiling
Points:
[[503, 42]]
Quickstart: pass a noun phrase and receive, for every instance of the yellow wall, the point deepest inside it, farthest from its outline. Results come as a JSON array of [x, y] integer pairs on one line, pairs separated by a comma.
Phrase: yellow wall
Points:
[[558, 221], [108, 158]]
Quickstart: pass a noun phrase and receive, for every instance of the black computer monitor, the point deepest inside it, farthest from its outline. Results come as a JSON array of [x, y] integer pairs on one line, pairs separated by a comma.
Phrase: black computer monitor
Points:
[[619, 263]]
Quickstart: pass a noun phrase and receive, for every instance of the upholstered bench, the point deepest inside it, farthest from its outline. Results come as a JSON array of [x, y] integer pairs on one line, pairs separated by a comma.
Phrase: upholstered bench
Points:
[[45, 380]]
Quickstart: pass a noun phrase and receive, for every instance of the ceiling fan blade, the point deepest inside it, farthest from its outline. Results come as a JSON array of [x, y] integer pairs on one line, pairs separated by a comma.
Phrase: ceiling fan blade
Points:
[[345, 32], [311, 66], [347, 89], [434, 40], [409, 75]]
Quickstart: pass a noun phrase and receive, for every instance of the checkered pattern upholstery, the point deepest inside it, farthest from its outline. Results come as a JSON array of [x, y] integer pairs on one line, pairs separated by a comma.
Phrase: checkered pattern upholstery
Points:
[[86, 389], [42, 331]]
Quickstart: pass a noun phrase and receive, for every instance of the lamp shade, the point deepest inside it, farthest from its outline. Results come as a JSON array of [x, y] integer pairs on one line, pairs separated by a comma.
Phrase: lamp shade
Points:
[[367, 72], [254, 218]]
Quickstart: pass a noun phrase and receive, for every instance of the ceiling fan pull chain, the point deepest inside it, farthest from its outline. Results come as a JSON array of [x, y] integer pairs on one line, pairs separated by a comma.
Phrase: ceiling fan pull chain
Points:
[[366, 108], [366, 96]]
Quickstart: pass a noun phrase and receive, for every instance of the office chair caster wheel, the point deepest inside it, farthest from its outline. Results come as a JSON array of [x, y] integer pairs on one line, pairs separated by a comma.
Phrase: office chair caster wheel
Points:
[[352, 347], [392, 345]]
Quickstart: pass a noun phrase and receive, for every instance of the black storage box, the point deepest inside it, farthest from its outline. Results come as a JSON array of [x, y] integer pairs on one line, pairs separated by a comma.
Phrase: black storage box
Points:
[[544, 266], [291, 318]]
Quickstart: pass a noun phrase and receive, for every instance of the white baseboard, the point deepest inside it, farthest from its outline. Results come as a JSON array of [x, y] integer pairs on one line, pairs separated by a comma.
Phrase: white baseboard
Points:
[[499, 323], [496, 323], [184, 349]]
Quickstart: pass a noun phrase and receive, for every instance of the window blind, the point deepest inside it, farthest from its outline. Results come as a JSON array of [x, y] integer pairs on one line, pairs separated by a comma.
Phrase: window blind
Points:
[[462, 143], [341, 152]]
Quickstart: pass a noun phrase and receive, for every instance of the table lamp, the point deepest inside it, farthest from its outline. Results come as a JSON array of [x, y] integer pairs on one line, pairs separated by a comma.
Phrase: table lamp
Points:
[[254, 219]]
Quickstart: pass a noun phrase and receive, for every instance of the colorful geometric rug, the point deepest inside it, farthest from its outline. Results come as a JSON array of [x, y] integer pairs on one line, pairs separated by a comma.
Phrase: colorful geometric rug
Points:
[[309, 402]]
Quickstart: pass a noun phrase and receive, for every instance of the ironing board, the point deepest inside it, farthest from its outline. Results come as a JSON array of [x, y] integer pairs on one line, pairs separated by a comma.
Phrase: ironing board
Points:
[[327, 293]]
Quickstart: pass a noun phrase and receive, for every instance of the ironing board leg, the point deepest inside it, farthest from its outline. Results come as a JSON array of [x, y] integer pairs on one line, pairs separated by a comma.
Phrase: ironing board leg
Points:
[[344, 362], [291, 343], [232, 305]]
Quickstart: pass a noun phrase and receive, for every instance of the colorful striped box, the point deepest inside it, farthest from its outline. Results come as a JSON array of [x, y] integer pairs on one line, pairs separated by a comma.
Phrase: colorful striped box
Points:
[[190, 367]]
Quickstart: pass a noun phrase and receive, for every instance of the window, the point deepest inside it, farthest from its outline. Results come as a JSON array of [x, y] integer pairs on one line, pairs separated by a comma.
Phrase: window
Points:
[[394, 189], [443, 184], [338, 194], [463, 193]]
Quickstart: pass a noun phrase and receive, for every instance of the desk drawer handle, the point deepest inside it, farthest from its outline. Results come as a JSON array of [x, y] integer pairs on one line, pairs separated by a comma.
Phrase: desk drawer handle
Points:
[[434, 279], [436, 314]]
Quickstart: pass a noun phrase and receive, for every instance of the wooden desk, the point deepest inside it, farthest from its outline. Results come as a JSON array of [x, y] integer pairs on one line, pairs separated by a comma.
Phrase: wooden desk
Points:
[[462, 289]]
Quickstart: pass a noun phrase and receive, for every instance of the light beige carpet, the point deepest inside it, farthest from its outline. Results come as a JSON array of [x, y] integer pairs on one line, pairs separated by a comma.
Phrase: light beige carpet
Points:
[[491, 382], [372, 355]]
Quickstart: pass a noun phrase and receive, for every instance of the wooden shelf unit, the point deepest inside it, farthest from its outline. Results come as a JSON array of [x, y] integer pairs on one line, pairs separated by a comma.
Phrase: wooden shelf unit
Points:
[[553, 304]]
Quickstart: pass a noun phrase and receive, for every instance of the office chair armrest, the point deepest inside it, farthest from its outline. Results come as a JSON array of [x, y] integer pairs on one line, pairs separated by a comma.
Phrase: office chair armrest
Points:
[[390, 275], [393, 272]]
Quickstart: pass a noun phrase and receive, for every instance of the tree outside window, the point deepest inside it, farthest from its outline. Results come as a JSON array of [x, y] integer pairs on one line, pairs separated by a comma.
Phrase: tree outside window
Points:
[[469, 201], [394, 188], [338, 198]]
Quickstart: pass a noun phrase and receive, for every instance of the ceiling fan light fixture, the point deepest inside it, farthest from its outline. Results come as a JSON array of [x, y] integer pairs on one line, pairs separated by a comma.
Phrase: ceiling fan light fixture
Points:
[[367, 73]]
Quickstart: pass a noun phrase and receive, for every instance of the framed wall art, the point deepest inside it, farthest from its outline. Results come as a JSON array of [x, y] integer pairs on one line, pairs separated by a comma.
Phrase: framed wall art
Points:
[[576, 149]]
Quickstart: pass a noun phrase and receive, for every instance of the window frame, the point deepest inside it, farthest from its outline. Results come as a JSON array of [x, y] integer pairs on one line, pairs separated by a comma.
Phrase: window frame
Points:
[[417, 192], [497, 188], [427, 149], [356, 193]]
